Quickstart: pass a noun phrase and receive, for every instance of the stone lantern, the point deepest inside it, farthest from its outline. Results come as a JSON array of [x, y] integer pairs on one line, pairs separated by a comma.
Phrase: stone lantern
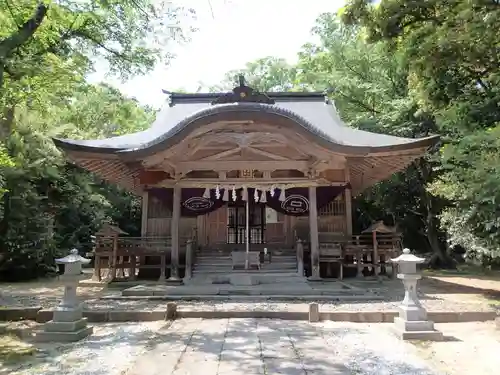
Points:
[[68, 323], [412, 322]]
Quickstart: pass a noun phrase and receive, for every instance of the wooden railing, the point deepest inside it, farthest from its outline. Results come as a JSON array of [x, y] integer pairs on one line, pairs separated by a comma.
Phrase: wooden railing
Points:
[[357, 251], [123, 256]]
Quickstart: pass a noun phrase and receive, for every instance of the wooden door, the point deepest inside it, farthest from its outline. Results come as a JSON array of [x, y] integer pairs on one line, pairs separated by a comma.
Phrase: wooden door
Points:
[[216, 226], [275, 226]]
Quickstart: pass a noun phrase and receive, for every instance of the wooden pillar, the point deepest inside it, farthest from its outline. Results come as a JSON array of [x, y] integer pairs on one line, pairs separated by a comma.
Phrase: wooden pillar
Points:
[[97, 268], [313, 230], [189, 259], [144, 228], [114, 258], [144, 214], [348, 210], [174, 232], [348, 202], [300, 258]]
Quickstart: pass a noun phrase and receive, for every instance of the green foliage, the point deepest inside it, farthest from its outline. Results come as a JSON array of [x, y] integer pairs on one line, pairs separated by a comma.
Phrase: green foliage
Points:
[[267, 74], [47, 48], [451, 51]]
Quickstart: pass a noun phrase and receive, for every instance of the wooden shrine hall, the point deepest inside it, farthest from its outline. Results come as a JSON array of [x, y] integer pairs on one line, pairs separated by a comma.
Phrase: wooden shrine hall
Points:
[[246, 182]]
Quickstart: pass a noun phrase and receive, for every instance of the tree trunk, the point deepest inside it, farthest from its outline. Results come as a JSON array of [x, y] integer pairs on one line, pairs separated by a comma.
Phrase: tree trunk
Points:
[[440, 257]]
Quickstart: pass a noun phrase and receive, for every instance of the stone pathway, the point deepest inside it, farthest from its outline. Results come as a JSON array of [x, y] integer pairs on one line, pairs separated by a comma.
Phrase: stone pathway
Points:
[[232, 347]]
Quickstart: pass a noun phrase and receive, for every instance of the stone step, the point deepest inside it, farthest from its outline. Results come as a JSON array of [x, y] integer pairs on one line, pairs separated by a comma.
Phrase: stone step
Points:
[[229, 268], [228, 257], [230, 264], [225, 271]]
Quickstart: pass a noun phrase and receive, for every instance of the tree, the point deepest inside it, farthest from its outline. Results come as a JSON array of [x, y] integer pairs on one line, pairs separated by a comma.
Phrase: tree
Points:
[[47, 48], [368, 83], [264, 74], [451, 49]]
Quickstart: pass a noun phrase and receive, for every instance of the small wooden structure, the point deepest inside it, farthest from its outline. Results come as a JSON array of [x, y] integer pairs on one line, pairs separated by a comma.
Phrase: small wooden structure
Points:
[[106, 248], [370, 250], [288, 157]]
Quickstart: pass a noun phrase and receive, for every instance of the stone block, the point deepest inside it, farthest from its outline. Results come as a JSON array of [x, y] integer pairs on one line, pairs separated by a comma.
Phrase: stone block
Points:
[[75, 326], [243, 280], [497, 323], [419, 325], [314, 312], [416, 330], [44, 315], [412, 313], [68, 314], [45, 336], [19, 313], [96, 316], [171, 312]]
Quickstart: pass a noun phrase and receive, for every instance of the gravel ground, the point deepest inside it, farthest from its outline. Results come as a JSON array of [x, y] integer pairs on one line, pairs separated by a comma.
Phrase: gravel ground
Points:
[[470, 348], [233, 347], [109, 351], [262, 346], [431, 305], [435, 296]]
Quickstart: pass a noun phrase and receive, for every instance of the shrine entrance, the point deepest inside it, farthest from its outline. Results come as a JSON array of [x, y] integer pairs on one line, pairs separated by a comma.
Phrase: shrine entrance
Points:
[[236, 223]]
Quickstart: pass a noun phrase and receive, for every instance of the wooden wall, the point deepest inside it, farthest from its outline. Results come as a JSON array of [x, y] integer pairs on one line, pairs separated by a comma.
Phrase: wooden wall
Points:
[[212, 228], [159, 218]]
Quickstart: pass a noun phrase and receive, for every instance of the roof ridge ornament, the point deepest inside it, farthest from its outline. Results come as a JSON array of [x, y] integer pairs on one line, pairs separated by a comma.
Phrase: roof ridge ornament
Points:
[[243, 93]]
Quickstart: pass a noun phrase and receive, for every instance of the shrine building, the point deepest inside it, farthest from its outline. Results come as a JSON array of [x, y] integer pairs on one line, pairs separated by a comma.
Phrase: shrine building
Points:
[[241, 173]]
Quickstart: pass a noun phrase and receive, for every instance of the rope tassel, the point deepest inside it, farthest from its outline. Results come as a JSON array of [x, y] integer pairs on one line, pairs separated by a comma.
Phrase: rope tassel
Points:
[[263, 197], [282, 195], [206, 193]]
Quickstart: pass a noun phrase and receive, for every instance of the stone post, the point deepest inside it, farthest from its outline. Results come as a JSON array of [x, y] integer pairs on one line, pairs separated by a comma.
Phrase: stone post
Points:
[[68, 323], [314, 312], [412, 322], [300, 258]]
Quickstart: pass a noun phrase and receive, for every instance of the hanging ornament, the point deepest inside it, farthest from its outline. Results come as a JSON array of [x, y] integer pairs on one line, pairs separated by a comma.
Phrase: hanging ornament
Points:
[[225, 196], [217, 192], [206, 193], [234, 194], [263, 197], [282, 194], [256, 195], [272, 191], [244, 194]]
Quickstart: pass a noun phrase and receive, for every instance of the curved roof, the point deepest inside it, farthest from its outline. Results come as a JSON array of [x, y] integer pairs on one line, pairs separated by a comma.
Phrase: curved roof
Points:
[[310, 113]]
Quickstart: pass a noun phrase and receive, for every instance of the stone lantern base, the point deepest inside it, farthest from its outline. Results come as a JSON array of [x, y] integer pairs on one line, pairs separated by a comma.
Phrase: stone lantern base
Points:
[[412, 324], [66, 326]]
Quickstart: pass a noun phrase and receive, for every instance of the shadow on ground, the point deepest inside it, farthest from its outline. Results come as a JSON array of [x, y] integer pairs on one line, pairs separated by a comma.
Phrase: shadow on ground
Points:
[[245, 346]]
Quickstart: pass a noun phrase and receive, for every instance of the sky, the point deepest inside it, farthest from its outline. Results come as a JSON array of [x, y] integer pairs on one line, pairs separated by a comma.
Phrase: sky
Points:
[[229, 34]]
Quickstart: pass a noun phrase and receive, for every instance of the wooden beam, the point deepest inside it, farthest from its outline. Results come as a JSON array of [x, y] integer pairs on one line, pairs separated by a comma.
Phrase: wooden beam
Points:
[[270, 155], [203, 165], [223, 154], [193, 182]]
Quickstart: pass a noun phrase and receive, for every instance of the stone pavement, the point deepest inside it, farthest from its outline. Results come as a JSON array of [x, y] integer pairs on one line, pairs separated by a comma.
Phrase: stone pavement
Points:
[[231, 347], [249, 346]]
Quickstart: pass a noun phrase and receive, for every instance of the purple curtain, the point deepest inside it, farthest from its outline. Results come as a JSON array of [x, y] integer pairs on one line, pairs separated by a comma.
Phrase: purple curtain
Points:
[[192, 201], [296, 201]]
